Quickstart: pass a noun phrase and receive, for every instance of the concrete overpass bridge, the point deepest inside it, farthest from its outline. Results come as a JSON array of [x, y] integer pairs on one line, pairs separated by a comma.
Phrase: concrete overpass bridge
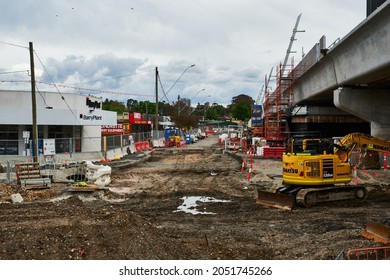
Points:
[[354, 74]]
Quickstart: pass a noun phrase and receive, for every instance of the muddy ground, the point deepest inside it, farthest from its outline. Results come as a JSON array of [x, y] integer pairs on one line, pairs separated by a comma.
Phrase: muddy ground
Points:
[[137, 215]]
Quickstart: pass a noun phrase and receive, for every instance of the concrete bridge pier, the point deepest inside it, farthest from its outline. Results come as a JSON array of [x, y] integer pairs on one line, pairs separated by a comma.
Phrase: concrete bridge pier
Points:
[[372, 105], [380, 130]]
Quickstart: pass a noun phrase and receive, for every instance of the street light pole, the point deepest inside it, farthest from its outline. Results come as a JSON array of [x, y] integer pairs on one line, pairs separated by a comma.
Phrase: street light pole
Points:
[[200, 103], [205, 98], [179, 111], [156, 116], [197, 93]]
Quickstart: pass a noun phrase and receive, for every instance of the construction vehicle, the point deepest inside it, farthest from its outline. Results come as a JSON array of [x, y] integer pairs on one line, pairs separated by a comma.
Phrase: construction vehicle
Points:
[[318, 170]]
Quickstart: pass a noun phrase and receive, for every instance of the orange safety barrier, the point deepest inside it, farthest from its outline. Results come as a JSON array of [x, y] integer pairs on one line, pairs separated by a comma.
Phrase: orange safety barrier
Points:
[[138, 146], [378, 253], [273, 152]]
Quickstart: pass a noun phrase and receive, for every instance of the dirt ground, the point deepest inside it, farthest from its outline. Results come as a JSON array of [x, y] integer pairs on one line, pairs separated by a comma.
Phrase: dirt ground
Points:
[[138, 216]]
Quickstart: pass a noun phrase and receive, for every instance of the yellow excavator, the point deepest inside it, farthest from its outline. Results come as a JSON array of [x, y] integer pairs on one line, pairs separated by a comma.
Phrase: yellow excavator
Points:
[[318, 170]]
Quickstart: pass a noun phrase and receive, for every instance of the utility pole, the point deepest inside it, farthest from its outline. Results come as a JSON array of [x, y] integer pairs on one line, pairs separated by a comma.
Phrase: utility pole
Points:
[[156, 117], [178, 104], [34, 104]]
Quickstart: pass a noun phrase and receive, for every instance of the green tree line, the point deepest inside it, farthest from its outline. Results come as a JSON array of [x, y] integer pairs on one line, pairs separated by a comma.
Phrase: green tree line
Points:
[[181, 113]]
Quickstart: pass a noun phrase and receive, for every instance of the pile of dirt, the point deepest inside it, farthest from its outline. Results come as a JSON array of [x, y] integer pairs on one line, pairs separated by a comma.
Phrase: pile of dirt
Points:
[[71, 229]]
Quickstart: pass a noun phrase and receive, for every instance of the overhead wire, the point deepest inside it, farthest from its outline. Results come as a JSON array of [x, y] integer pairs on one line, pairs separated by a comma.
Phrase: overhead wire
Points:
[[96, 91], [13, 45], [63, 98], [111, 78], [44, 100], [48, 74], [162, 87], [13, 72]]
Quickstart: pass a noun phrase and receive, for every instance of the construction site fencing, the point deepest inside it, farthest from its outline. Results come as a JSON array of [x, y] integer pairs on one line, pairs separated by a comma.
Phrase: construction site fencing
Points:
[[55, 168], [18, 149], [65, 165], [376, 253]]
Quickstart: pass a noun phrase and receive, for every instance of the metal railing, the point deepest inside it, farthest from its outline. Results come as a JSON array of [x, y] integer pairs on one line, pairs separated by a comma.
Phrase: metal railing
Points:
[[376, 253]]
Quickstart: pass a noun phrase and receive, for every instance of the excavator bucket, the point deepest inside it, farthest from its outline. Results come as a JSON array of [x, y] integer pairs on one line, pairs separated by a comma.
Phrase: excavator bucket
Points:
[[276, 200], [376, 231]]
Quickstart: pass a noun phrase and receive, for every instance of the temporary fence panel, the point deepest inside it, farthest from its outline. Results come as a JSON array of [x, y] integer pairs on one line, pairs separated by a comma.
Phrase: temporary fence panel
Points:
[[273, 152]]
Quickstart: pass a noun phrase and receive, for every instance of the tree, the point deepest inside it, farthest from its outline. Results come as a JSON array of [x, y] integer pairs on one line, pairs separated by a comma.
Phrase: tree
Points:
[[132, 105], [166, 109], [211, 114], [115, 106], [220, 110], [185, 121], [241, 111], [243, 98]]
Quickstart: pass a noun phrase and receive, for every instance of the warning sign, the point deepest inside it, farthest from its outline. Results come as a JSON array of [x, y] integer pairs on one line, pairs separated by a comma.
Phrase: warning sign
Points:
[[49, 147]]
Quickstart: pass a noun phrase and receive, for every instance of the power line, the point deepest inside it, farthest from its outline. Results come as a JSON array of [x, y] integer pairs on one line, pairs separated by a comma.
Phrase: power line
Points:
[[165, 95], [177, 80], [13, 45], [13, 72], [112, 78], [96, 91], [44, 100], [62, 97]]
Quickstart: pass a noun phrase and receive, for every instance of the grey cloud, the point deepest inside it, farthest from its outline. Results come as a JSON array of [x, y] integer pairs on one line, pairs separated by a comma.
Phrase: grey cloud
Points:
[[234, 44]]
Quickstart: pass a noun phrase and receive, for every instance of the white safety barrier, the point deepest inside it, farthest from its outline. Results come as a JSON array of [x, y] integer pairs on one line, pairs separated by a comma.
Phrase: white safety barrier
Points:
[[98, 174], [158, 143]]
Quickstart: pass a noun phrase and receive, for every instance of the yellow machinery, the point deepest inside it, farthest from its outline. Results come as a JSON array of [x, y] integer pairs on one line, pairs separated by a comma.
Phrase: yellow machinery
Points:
[[317, 170]]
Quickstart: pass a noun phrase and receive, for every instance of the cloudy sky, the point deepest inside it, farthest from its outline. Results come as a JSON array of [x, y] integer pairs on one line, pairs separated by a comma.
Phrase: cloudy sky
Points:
[[111, 48]]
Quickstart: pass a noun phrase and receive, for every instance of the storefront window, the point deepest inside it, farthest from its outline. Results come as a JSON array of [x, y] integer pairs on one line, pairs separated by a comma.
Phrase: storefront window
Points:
[[77, 138], [8, 140], [63, 135], [112, 141]]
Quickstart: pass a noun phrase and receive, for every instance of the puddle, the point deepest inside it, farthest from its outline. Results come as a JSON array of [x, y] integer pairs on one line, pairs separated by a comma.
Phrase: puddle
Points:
[[189, 204]]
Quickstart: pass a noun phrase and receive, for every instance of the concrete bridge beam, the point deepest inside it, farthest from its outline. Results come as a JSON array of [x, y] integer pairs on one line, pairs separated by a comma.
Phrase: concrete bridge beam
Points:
[[372, 105]]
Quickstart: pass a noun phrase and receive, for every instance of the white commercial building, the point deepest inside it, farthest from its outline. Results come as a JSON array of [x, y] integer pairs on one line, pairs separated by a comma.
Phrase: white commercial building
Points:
[[67, 123]]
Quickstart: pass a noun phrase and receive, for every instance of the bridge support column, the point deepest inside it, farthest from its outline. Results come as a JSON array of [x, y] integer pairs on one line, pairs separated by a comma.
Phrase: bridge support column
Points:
[[372, 105], [380, 130]]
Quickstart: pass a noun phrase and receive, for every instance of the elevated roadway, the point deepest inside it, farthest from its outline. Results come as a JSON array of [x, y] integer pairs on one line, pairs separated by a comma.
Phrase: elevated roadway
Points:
[[354, 75]]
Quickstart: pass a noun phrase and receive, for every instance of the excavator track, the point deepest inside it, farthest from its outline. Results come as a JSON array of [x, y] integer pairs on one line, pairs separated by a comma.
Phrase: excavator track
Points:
[[287, 198], [308, 197]]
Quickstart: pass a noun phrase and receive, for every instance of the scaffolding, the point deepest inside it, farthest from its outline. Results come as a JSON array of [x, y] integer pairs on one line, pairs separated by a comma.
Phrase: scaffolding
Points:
[[276, 104]]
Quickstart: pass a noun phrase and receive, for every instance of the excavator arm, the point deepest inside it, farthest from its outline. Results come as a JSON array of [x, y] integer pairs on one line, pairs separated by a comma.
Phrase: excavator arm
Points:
[[348, 143]]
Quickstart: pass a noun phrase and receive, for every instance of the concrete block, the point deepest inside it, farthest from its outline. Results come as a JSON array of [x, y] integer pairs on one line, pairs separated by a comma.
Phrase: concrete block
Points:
[[16, 198]]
